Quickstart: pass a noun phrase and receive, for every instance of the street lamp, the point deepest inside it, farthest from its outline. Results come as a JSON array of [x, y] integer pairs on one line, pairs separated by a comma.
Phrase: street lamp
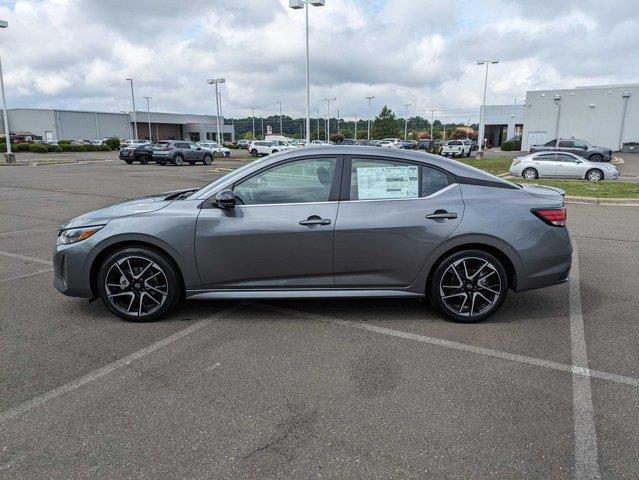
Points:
[[280, 104], [135, 117], [328, 101], [483, 105], [217, 81], [318, 123], [369, 115], [406, 122], [8, 157], [432, 119], [253, 120], [557, 100], [148, 116], [297, 4]]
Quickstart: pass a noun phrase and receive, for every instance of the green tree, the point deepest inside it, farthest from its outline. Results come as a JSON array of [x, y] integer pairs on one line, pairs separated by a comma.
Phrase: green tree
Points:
[[385, 124], [247, 136]]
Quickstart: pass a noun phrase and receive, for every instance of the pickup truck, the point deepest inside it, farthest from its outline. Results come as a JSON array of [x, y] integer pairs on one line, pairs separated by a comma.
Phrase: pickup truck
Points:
[[576, 146], [456, 148]]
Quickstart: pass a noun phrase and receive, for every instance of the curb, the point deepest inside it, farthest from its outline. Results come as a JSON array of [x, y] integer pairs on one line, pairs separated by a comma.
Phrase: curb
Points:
[[627, 202]]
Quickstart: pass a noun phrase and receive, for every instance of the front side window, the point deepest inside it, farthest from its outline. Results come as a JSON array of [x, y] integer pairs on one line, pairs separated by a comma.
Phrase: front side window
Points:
[[565, 144], [301, 181], [545, 158], [388, 180]]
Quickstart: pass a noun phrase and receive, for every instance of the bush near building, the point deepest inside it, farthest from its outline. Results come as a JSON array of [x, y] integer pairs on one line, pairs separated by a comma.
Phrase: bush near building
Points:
[[21, 147], [62, 142], [511, 145], [54, 148], [113, 143], [38, 148]]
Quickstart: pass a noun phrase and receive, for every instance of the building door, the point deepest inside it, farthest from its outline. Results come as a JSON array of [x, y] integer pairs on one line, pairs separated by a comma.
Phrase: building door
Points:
[[48, 136], [194, 136]]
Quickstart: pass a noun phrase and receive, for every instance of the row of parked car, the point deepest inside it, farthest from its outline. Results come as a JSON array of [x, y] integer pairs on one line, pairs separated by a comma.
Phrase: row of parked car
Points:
[[176, 152]]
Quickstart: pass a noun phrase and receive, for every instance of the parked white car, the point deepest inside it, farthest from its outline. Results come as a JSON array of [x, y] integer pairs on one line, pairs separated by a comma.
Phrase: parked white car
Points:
[[561, 165], [133, 143], [456, 148], [215, 147], [266, 147], [394, 143], [320, 142]]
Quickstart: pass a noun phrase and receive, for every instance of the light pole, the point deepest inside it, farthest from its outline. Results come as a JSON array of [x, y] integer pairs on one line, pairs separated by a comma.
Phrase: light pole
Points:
[[557, 100], [432, 119], [328, 101], [297, 4], [135, 116], [338, 120], [355, 128], [483, 105], [148, 117], [369, 115], [217, 81], [8, 157], [280, 104], [406, 122], [253, 118], [318, 123]]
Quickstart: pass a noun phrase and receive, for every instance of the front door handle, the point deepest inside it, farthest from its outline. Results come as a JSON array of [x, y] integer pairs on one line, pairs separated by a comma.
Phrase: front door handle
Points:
[[315, 221], [441, 215]]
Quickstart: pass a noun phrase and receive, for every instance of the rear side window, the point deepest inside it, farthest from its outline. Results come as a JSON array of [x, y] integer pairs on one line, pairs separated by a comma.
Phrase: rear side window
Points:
[[545, 158], [389, 179], [565, 144]]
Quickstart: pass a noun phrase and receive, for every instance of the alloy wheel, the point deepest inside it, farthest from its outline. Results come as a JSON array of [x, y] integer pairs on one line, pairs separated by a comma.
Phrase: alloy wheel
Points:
[[470, 287], [594, 175], [530, 174], [136, 286]]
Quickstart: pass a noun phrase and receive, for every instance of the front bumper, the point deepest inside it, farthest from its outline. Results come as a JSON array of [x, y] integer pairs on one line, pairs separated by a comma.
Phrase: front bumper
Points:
[[72, 269]]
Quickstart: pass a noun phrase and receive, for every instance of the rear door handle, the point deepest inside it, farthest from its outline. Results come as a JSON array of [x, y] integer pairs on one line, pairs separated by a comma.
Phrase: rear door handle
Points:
[[315, 221], [440, 215]]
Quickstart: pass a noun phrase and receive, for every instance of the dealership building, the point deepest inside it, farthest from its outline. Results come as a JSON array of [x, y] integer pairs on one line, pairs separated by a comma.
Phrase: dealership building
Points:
[[607, 116], [53, 125]]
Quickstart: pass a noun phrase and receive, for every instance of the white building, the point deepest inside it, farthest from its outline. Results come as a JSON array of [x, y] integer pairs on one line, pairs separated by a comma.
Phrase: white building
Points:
[[502, 122]]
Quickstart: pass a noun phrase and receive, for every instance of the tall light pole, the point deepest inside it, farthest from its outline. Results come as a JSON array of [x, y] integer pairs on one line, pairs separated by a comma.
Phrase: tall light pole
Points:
[[483, 105], [217, 81], [9, 158], [135, 116], [318, 122], [432, 120], [369, 115], [280, 104], [328, 101], [355, 127], [338, 120], [297, 4], [557, 100], [406, 122], [253, 118], [148, 117]]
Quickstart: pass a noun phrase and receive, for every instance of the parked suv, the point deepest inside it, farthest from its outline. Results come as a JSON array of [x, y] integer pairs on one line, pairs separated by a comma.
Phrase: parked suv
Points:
[[576, 146], [179, 151], [137, 153], [266, 147], [456, 148]]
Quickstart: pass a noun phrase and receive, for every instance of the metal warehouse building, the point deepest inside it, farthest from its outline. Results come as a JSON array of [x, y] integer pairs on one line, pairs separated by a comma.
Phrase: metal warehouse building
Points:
[[502, 122], [607, 116], [53, 125]]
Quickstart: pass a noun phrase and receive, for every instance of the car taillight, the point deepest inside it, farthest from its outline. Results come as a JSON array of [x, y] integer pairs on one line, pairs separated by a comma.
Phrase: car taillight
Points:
[[552, 216]]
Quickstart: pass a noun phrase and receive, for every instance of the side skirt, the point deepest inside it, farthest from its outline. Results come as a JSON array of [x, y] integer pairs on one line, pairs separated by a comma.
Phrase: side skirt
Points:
[[319, 293]]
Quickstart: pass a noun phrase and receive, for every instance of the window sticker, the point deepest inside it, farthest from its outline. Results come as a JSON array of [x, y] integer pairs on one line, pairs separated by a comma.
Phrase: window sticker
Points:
[[387, 182]]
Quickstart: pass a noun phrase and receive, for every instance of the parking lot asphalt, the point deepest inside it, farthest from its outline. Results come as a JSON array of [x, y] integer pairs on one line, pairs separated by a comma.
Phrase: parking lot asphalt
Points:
[[547, 388]]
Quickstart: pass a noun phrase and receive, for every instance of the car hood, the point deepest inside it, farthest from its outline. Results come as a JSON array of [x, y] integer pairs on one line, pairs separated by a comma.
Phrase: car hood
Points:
[[135, 206]]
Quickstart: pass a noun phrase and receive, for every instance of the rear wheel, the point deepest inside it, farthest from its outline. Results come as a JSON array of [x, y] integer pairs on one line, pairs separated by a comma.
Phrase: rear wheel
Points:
[[138, 284], [129, 161], [254, 152], [144, 159], [594, 175], [208, 160], [530, 174], [469, 286], [596, 158], [178, 160]]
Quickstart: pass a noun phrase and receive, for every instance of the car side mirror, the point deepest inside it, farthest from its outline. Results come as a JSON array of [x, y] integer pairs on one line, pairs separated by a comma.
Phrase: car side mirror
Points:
[[224, 199], [585, 147]]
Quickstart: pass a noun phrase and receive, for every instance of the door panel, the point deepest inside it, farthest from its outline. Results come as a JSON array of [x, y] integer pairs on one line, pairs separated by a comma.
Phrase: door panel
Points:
[[264, 246], [567, 167], [546, 165], [385, 243]]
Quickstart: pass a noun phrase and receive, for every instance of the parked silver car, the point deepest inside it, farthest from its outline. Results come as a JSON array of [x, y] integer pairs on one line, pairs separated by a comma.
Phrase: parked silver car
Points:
[[561, 165], [338, 221]]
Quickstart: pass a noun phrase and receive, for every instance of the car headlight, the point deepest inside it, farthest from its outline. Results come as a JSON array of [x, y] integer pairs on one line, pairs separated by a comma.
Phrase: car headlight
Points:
[[74, 235]]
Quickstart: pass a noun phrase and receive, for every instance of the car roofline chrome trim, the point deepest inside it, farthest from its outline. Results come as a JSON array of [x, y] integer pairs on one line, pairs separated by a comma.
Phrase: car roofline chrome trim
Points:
[[298, 293]]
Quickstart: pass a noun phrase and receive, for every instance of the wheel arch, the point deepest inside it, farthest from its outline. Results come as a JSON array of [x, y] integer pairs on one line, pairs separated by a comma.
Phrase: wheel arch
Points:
[[603, 175], [99, 258]]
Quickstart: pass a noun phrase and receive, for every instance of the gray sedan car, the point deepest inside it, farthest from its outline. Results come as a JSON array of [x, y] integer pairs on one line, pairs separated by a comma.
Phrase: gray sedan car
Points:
[[561, 165], [337, 221]]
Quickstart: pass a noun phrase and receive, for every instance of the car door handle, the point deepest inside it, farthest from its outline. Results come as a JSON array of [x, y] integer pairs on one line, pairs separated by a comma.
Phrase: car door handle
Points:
[[315, 221], [440, 215]]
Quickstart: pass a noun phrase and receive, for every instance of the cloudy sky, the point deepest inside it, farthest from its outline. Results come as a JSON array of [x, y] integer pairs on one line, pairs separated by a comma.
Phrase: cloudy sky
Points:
[[76, 54]]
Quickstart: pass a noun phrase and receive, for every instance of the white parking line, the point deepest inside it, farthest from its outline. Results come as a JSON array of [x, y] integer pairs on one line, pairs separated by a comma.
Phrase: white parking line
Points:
[[586, 453], [26, 275], [101, 372], [26, 230], [26, 258]]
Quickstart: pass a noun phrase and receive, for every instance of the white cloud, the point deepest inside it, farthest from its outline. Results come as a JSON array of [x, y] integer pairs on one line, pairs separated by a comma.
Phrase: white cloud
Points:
[[77, 53]]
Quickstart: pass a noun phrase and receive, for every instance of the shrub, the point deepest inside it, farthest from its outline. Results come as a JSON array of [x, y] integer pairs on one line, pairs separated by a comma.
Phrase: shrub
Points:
[[337, 138], [62, 142], [38, 148], [77, 148], [54, 148], [104, 148], [65, 147], [113, 143], [511, 146], [21, 147]]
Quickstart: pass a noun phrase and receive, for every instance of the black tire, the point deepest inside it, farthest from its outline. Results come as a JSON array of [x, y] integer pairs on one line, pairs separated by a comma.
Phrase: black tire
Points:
[[144, 159], [596, 158], [254, 153], [178, 160], [532, 171], [208, 160], [593, 172], [128, 161], [469, 286], [116, 295]]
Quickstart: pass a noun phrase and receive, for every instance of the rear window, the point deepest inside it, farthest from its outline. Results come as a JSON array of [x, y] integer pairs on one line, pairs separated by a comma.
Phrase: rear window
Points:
[[162, 144], [454, 142]]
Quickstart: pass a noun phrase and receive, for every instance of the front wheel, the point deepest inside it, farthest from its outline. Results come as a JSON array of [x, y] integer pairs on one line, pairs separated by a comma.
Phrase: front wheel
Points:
[[530, 174], [594, 175], [144, 159], [138, 284], [208, 160], [469, 286], [254, 152], [178, 160], [596, 158], [128, 161]]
